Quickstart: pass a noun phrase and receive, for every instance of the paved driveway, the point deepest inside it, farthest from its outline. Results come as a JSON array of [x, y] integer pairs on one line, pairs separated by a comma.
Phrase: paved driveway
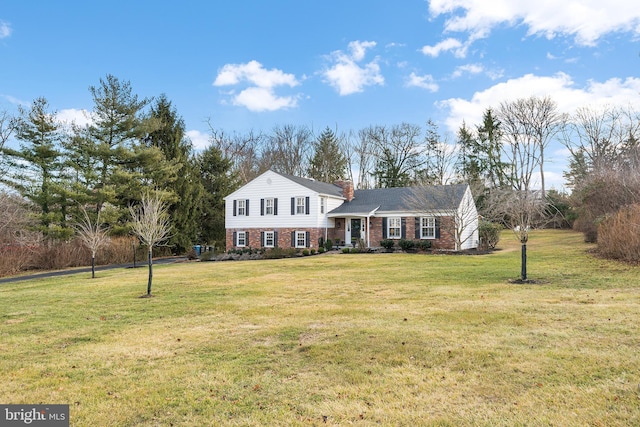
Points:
[[168, 260]]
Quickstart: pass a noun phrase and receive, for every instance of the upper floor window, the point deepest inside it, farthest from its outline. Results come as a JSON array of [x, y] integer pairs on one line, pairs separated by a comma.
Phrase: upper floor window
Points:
[[322, 204], [242, 207], [300, 206], [427, 228], [268, 207], [394, 230]]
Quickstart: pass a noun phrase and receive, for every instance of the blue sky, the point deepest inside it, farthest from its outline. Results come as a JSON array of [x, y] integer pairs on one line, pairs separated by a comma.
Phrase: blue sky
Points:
[[252, 65]]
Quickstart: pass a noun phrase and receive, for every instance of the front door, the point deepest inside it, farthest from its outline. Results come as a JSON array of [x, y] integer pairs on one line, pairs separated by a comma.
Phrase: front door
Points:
[[356, 224]]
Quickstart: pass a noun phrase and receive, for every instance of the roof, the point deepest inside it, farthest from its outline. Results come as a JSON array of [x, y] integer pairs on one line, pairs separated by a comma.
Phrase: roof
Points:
[[317, 186], [430, 198]]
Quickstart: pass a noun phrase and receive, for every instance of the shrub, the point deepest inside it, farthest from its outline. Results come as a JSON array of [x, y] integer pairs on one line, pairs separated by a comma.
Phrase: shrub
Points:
[[345, 250], [406, 245], [489, 234], [618, 236], [321, 250], [276, 253], [305, 252], [354, 250], [313, 251], [328, 245], [423, 245], [388, 244]]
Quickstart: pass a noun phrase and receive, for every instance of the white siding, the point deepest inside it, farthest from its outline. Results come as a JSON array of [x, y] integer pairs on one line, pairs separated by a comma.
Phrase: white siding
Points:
[[273, 185], [468, 213]]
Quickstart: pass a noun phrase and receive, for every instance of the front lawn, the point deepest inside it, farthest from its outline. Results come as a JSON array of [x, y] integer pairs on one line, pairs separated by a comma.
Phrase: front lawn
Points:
[[375, 339]]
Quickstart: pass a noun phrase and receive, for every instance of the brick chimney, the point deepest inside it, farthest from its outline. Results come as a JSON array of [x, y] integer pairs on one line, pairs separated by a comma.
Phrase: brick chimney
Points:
[[347, 189]]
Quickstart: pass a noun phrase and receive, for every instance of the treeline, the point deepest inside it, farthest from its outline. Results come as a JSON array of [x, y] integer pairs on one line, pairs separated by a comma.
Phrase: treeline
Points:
[[132, 145]]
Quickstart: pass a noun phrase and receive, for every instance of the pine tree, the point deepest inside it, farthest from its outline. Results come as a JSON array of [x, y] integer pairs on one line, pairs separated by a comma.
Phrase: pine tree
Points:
[[329, 162]]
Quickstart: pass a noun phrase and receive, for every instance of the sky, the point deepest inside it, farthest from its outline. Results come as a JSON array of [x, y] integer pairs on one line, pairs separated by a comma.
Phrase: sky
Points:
[[251, 65]]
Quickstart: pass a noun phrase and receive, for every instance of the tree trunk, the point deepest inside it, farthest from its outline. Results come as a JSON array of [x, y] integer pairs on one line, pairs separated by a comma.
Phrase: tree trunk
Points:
[[93, 266], [523, 271], [150, 273]]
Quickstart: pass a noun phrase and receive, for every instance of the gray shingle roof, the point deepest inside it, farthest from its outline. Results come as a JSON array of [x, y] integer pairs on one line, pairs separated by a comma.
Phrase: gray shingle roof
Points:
[[436, 197], [317, 186]]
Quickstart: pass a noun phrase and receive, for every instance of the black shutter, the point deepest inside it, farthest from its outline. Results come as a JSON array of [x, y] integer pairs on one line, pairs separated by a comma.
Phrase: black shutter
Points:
[[403, 227], [261, 207], [306, 205], [293, 206], [235, 239], [384, 228], [307, 238], [262, 242], [246, 208], [417, 227], [275, 239], [246, 239], [275, 206], [235, 209], [437, 228], [293, 239]]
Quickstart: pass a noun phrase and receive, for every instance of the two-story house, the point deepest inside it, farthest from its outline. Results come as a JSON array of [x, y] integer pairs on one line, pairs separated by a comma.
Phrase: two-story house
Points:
[[279, 210]]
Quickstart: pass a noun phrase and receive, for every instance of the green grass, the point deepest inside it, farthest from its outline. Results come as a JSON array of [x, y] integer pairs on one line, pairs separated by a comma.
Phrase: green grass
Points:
[[384, 339]]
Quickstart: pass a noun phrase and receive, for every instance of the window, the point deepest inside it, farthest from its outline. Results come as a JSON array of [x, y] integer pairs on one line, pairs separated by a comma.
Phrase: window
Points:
[[394, 228], [242, 207], [427, 228], [268, 207], [241, 238], [301, 239], [300, 205], [322, 202], [269, 239]]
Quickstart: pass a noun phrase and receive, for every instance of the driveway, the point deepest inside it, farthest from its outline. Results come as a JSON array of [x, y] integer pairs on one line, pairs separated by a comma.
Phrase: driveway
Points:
[[47, 274]]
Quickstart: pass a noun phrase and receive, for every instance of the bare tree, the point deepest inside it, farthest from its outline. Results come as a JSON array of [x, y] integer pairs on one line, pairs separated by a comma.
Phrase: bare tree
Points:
[[453, 205], [93, 235], [14, 217], [287, 150], [521, 207], [152, 225], [8, 126], [359, 152], [398, 152], [243, 150], [440, 157], [521, 211]]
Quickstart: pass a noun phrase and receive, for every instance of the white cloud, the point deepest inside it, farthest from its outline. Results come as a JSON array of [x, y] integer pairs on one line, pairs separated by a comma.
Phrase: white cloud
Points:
[[260, 95], [467, 69], [586, 20], [199, 140], [73, 116], [424, 82], [347, 76], [263, 99], [560, 87], [5, 29], [450, 44]]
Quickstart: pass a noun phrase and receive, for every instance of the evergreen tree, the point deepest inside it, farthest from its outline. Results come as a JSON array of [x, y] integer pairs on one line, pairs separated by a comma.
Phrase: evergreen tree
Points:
[[37, 167], [329, 162], [218, 182], [169, 137]]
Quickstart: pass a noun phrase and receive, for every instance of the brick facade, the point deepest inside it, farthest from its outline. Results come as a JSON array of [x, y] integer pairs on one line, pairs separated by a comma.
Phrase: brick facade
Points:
[[337, 234], [284, 237]]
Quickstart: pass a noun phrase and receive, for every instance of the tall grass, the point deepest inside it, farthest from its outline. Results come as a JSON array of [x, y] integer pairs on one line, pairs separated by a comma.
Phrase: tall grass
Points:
[[376, 339]]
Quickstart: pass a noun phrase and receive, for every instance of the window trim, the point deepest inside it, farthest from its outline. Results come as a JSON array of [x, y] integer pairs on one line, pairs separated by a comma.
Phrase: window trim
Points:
[[244, 238], [390, 221], [266, 239], [269, 204], [424, 227], [304, 239], [242, 207], [300, 207]]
